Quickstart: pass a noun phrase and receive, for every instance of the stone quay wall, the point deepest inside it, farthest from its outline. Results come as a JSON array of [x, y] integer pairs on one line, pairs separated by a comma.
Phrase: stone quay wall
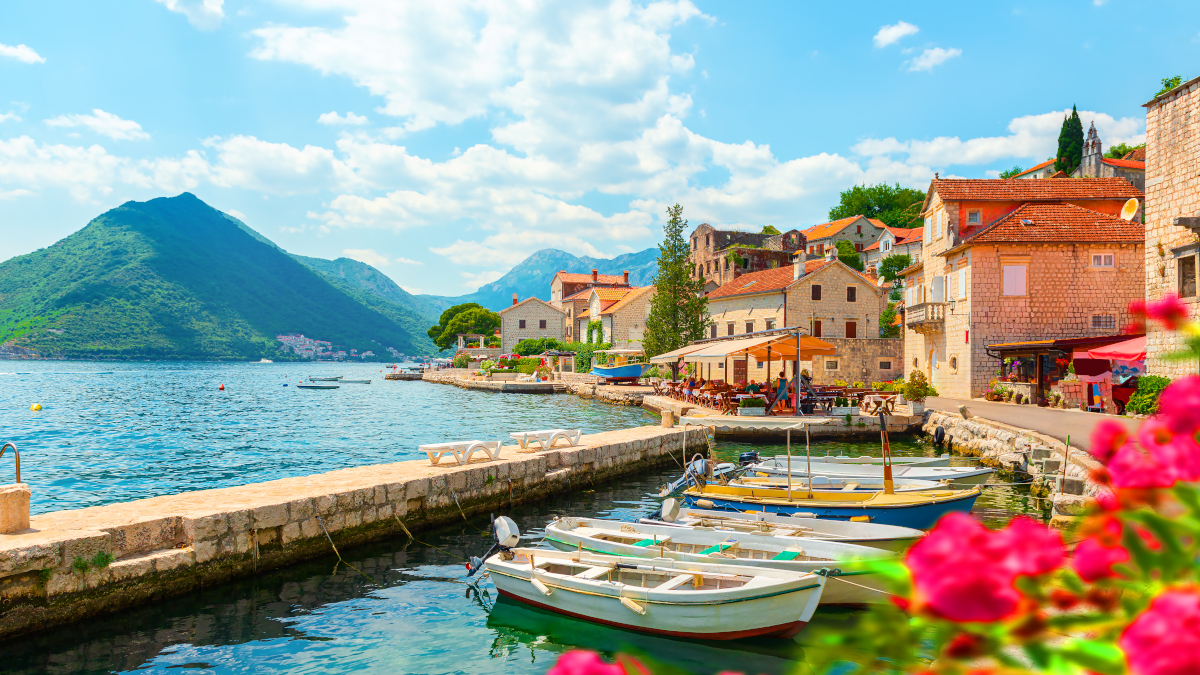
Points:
[[53, 573], [508, 386]]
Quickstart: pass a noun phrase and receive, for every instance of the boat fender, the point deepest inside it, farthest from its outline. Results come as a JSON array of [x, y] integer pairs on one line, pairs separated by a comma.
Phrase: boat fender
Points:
[[939, 435], [705, 503], [632, 606], [670, 510], [542, 588]]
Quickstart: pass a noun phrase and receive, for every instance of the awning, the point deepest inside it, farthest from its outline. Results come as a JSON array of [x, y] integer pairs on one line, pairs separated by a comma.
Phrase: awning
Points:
[[784, 347], [673, 355], [726, 348], [1129, 350], [738, 423]]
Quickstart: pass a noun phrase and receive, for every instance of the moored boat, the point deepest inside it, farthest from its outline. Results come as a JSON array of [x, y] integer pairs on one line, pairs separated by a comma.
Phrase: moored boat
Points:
[[827, 484], [345, 381], [941, 460], [959, 476], [316, 385], [662, 596], [325, 379], [699, 544]]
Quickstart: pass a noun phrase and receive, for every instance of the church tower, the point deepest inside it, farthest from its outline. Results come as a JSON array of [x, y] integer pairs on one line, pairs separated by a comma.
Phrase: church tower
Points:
[[1093, 153]]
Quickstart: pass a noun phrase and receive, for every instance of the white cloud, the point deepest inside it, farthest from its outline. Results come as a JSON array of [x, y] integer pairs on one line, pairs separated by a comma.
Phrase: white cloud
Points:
[[892, 34], [476, 279], [13, 194], [409, 261], [203, 14], [366, 255], [103, 123], [932, 57], [21, 53], [333, 118], [276, 168], [4, 117]]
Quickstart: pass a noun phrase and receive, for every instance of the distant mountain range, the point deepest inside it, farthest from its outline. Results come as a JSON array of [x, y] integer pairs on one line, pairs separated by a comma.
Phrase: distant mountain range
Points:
[[532, 276]]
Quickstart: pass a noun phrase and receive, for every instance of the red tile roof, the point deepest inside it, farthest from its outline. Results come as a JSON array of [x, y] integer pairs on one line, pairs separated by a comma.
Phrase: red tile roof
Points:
[[1058, 222], [1137, 155], [610, 294], [915, 234], [765, 281], [570, 278], [996, 189], [828, 229], [872, 247], [1035, 168], [628, 298], [1125, 163]]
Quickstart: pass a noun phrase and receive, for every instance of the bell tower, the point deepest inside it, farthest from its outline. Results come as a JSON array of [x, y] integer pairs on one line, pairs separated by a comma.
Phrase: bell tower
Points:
[[1093, 152]]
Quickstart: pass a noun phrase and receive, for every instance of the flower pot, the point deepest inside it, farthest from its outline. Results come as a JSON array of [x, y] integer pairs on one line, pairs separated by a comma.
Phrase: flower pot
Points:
[[752, 412], [838, 410], [917, 407]]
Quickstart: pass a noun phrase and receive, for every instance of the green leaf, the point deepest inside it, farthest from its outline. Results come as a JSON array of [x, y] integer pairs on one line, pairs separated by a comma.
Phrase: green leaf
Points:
[[1102, 657]]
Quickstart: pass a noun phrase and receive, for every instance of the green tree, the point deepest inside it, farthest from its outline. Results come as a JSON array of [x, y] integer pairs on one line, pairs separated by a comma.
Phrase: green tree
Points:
[[1169, 83], [1011, 173], [770, 229], [468, 317], [889, 268], [894, 205], [1070, 143], [886, 329], [848, 255], [1120, 150], [679, 310]]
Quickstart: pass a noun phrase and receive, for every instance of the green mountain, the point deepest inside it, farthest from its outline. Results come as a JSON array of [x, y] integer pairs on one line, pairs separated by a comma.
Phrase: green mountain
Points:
[[532, 276], [173, 278]]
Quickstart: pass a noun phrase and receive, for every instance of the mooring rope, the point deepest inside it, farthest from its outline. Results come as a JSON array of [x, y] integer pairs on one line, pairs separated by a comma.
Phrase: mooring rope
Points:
[[338, 553], [439, 548]]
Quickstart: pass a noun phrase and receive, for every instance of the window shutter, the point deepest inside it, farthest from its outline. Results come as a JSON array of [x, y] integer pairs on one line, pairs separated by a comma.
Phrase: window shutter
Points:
[[939, 288], [851, 294], [816, 291], [851, 329], [1014, 280], [816, 329], [962, 284], [938, 230], [928, 226]]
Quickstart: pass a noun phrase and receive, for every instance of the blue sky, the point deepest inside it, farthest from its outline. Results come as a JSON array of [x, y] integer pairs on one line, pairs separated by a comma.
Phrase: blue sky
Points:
[[444, 142]]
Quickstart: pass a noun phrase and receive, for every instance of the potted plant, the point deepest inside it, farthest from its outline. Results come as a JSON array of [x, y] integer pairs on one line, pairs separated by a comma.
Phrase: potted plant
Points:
[[752, 407], [841, 406]]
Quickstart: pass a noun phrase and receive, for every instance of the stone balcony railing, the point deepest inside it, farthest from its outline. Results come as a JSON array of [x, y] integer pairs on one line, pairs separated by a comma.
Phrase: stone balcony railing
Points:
[[926, 317]]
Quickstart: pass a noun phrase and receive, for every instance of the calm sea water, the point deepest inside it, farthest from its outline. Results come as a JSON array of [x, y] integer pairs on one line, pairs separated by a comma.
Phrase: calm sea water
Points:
[[144, 429]]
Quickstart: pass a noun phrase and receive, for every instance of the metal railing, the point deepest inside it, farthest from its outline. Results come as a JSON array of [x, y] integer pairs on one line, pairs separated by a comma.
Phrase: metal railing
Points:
[[925, 313], [16, 454]]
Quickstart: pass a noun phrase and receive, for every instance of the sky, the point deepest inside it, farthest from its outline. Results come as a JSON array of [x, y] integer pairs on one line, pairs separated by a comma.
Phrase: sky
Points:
[[443, 142]]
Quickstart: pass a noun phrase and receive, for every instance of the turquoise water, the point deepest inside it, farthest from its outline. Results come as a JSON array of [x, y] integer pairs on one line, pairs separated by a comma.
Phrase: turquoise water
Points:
[[143, 429]]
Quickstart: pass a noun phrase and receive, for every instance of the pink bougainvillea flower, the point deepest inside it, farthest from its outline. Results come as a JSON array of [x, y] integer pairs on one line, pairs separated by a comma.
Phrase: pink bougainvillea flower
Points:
[[1179, 451], [580, 662], [1107, 437], [1168, 310], [1129, 467], [1165, 639], [1178, 405], [964, 572], [1093, 560], [1106, 500]]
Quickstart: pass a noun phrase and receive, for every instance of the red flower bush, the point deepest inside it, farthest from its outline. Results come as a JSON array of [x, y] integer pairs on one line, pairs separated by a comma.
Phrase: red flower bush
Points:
[[1178, 405], [1093, 560], [965, 572], [1165, 639], [580, 662]]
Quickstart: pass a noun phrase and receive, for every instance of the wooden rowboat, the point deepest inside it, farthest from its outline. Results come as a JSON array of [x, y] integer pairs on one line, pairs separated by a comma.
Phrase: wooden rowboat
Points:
[[321, 385]]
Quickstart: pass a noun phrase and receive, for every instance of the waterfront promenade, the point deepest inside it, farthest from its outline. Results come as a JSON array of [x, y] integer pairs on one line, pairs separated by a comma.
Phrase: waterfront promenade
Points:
[[1054, 422]]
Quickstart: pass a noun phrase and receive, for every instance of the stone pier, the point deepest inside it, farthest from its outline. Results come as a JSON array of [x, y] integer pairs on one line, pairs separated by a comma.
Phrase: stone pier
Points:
[[70, 565]]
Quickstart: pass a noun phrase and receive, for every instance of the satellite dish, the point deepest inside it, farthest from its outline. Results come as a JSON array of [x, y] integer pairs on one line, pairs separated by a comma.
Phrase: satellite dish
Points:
[[1130, 209]]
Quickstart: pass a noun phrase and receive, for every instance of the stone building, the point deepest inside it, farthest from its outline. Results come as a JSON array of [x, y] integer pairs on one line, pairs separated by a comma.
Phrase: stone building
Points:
[[1043, 170], [833, 300], [624, 321], [1046, 270], [720, 256], [529, 319], [892, 241], [858, 230], [1095, 165], [1172, 214], [598, 300], [570, 293]]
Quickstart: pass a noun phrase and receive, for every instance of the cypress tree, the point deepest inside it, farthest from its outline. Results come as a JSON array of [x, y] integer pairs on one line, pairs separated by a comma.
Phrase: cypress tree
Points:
[[1070, 143], [679, 310]]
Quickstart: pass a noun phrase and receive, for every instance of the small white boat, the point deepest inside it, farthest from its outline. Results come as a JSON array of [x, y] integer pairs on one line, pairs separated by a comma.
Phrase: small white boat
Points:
[[264, 361], [325, 379], [959, 476], [668, 597], [831, 484], [942, 460], [345, 381], [316, 385], [873, 535], [699, 544]]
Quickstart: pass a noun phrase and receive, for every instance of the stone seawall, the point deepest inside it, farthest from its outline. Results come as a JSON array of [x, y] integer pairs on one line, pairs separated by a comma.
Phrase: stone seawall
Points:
[[507, 386], [71, 565]]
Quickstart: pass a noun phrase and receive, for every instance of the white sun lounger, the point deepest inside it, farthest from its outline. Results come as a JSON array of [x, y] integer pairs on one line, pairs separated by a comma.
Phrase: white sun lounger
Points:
[[546, 438], [461, 450]]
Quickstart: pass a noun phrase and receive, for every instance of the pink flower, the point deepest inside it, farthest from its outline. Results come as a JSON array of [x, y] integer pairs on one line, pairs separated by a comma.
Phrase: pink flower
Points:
[[1178, 451], [1168, 310], [1132, 468], [1106, 500], [580, 662], [1093, 560], [1165, 639], [1107, 437], [1178, 405], [964, 572]]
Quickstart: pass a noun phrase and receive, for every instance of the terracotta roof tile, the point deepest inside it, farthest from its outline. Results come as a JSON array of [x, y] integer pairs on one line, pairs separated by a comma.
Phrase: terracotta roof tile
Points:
[[528, 300], [1035, 168], [1137, 155], [1058, 222], [610, 294], [765, 281], [828, 229], [995, 189], [1125, 163], [872, 247], [632, 295], [916, 234], [571, 278]]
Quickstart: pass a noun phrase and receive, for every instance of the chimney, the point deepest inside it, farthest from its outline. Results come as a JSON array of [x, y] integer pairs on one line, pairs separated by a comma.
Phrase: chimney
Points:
[[626, 275], [595, 276], [514, 299], [798, 268]]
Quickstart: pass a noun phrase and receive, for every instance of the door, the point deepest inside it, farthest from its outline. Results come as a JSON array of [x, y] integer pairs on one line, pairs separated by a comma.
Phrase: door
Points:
[[933, 367], [739, 371]]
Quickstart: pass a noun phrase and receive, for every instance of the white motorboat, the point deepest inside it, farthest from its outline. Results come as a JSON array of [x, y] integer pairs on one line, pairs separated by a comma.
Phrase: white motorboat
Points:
[[345, 381], [316, 385], [873, 535], [325, 379], [959, 476], [710, 601], [942, 460], [851, 580]]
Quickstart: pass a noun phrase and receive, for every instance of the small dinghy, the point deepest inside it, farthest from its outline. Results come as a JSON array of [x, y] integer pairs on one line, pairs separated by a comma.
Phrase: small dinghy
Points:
[[959, 476], [345, 381], [941, 460], [874, 535], [700, 544], [709, 601], [316, 385], [325, 379], [822, 484]]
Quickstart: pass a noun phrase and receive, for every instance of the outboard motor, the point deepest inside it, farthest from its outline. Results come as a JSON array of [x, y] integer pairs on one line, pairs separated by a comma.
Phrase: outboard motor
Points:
[[505, 534], [747, 458]]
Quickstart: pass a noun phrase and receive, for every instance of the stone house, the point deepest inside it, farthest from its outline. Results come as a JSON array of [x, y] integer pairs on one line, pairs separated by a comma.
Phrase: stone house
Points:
[[720, 256], [892, 241], [529, 319], [1043, 170], [858, 230], [570, 293], [1172, 215], [624, 321], [598, 300], [1044, 271], [1095, 165]]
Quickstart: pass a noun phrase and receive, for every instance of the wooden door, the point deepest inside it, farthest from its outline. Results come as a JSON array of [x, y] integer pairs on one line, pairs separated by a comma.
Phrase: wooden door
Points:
[[739, 371]]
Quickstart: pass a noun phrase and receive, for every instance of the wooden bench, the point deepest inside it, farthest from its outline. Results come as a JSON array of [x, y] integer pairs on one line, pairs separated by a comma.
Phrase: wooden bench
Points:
[[460, 450], [546, 438]]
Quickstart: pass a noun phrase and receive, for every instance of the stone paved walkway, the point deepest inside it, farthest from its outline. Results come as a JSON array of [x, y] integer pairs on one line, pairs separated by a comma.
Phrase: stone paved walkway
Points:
[[1054, 422]]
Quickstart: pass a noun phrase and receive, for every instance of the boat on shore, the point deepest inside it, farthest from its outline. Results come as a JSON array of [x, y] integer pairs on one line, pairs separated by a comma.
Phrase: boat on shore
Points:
[[666, 597], [959, 476], [619, 365], [698, 544]]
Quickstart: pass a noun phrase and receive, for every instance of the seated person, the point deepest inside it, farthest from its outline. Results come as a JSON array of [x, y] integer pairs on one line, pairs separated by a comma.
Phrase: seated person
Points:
[[753, 388], [703, 384]]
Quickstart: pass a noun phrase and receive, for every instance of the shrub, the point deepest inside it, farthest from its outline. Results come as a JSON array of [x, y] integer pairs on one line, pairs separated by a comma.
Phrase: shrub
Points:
[[917, 388], [583, 354], [461, 360], [1145, 400], [533, 346], [840, 383], [860, 385], [752, 403]]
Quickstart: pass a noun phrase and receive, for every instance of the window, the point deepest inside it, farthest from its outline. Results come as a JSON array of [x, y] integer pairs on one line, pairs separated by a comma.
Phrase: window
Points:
[[1187, 277], [770, 324], [816, 331], [939, 288], [858, 246], [1014, 280], [542, 324], [915, 362], [816, 292], [973, 217], [851, 329], [1103, 260], [928, 227], [729, 328], [831, 365], [860, 229], [1104, 322], [712, 331], [954, 364], [912, 296], [851, 294], [521, 323], [721, 364], [962, 284], [706, 241], [938, 228], [887, 245], [749, 326], [885, 365]]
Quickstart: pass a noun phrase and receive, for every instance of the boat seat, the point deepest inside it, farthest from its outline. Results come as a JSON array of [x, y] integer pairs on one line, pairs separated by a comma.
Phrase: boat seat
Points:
[[719, 548], [650, 542], [673, 582], [850, 487], [789, 555], [593, 572]]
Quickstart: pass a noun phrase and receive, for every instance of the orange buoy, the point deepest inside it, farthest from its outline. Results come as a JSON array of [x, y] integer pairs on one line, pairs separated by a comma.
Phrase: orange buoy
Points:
[[221, 388]]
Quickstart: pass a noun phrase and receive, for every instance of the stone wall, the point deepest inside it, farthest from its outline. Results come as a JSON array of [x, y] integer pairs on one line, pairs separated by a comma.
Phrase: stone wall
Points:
[[833, 310], [859, 361], [1172, 190], [746, 309], [174, 544], [532, 312], [626, 326]]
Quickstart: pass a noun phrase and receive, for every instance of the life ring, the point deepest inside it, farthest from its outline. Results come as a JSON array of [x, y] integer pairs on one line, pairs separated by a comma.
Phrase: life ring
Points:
[[939, 435]]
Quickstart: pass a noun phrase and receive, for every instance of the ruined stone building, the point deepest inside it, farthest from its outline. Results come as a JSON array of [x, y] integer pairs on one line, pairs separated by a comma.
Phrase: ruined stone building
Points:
[[720, 256]]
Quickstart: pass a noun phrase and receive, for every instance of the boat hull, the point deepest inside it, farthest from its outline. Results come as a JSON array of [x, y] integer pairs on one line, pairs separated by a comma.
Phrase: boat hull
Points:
[[627, 373], [958, 476], [873, 535], [920, 516]]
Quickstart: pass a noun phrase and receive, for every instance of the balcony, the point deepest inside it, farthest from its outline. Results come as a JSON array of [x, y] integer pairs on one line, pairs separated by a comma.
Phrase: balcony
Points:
[[927, 317]]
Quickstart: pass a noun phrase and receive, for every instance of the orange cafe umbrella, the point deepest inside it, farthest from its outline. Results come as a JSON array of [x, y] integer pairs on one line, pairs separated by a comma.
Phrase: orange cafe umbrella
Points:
[[784, 347]]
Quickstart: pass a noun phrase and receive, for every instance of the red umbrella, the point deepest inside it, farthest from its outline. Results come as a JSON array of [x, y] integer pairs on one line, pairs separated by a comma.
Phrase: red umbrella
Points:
[[1129, 350]]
